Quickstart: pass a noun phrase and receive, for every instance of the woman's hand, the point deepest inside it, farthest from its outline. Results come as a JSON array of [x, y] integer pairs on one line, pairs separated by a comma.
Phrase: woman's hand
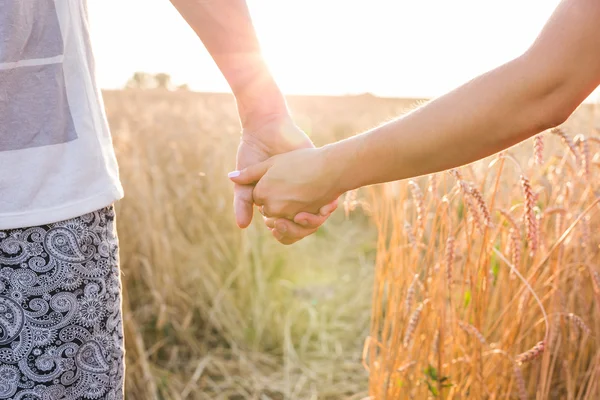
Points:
[[262, 138], [304, 180]]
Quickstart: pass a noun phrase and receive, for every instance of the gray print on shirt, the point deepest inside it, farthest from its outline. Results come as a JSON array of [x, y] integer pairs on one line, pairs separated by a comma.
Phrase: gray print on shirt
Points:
[[29, 29], [34, 110]]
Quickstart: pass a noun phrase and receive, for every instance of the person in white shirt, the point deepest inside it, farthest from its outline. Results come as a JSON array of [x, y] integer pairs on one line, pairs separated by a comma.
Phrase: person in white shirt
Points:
[[61, 334]]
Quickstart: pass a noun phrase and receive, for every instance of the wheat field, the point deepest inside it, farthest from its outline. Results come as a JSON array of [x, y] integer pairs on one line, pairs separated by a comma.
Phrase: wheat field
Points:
[[481, 282]]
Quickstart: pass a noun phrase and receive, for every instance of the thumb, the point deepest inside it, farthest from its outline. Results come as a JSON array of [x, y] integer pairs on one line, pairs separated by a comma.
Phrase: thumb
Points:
[[243, 205], [251, 174]]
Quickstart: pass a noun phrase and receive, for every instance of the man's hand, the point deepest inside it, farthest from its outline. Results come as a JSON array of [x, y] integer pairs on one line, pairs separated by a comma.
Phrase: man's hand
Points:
[[302, 180], [261, 139], [225, 28]]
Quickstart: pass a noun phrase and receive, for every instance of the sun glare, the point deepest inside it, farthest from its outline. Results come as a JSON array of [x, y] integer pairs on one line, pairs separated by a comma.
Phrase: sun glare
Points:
[[385, 47]]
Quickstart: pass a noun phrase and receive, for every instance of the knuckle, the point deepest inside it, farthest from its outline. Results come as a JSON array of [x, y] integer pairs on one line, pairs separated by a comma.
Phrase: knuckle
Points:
[[266, 211], [313, 222], [243, 192], [259, 196]]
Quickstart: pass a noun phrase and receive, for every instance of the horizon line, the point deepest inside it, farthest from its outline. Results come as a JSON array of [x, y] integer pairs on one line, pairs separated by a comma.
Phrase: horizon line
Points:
[[350, 94]]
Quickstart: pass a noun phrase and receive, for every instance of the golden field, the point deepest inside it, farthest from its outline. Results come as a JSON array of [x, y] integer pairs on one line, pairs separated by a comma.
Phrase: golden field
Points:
[[410, 290]]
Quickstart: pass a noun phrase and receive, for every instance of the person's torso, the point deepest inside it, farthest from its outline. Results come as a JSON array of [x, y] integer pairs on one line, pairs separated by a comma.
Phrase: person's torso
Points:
[[56, 156]]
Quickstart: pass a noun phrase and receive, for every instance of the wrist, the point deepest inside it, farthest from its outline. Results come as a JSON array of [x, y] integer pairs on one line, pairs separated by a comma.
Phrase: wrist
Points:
[[339, 158], [260, 102], [254, 121]]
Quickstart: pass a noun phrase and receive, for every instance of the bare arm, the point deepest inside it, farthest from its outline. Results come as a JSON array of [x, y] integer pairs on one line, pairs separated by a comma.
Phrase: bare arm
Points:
[[505, 106], [496, 110], [225, 28]]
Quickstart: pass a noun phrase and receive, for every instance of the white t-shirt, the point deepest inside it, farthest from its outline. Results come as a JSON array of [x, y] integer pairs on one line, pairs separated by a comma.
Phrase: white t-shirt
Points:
[[56, 155]]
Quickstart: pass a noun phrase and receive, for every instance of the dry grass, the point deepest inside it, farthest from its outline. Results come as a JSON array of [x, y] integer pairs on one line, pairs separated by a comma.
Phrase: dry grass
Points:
[[508, 305], [216, 313], [213, 312]]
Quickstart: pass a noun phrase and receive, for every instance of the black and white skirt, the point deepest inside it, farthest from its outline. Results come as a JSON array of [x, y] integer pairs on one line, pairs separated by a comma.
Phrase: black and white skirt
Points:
[[61, 332]]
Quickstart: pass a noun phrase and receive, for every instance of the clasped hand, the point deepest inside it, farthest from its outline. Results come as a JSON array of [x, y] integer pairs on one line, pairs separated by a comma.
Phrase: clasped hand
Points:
[[295, 188]]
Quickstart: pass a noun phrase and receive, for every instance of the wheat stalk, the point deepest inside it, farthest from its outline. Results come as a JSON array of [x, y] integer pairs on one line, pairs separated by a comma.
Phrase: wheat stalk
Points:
[[520, 382], [410, 294], [417, 195], [568, 142], [433, 185], [531, 354], [412, 325], [584, 147], [579, 323], [449, 261], [483, 209], [408, 230], [531, 223], [471, 330], [538, 148]]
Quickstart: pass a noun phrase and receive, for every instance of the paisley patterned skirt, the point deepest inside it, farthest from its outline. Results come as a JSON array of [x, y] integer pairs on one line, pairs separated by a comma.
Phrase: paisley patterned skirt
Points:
[[61, 332]]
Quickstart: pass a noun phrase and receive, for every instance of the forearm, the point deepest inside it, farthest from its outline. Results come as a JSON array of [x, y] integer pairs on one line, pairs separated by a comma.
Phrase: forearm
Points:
[[478, 119], [534, 92], [225, 28]]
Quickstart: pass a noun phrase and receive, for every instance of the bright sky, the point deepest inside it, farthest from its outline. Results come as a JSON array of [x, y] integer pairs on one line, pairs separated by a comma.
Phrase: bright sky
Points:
[[399, 48]]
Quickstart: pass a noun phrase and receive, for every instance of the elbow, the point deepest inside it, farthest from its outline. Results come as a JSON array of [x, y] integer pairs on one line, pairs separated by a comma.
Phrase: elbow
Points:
[[556, 116], [562, 103], [555, 101], [552, 108], [550, 93]]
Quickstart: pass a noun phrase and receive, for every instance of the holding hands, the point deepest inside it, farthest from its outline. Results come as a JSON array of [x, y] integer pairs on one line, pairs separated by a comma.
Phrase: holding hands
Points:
[[296, 186], [291, 186], [274, 136]]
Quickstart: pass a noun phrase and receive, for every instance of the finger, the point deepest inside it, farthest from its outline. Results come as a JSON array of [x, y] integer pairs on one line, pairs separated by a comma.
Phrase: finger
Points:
[[283, 239], [243, 205], [251, 174], [264, 208], [329, 208], [261, 210], [270, 222], [310, 221], [291, 231]]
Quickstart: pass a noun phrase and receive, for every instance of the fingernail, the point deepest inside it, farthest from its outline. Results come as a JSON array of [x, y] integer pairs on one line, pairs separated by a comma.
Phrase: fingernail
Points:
[[325, 210], [233, 174]]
